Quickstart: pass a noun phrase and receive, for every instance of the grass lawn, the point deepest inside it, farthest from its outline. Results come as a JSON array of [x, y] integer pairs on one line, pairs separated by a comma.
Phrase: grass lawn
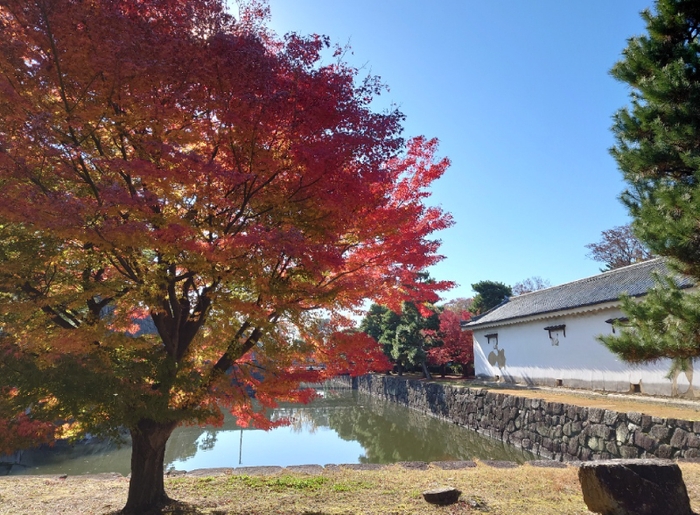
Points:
[[389, 490]]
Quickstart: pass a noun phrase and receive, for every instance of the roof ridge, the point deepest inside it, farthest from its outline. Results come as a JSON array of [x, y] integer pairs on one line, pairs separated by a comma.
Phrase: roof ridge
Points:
[[597, 276], [635, 280]]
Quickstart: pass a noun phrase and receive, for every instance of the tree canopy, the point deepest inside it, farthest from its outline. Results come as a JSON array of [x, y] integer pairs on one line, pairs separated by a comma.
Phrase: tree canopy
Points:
[[656, 136], [405, 335], [658, 153], [452, 344], [618, 247], [530, 284], [459, 304], [489, 294], [190, 207]]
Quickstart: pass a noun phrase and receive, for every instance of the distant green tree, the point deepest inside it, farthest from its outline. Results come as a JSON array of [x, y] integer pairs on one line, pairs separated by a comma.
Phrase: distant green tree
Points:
[[658, 151], [489, 294], [409, 343], [373, 324], [390, 323], [404, 337]]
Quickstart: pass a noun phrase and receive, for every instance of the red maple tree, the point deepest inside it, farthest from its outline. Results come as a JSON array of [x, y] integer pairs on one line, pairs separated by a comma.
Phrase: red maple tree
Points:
[[454, 345], [190, 208]]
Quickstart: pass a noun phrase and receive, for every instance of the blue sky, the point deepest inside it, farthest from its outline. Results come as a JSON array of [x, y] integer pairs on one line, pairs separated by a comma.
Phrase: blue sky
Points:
[[519, 95]]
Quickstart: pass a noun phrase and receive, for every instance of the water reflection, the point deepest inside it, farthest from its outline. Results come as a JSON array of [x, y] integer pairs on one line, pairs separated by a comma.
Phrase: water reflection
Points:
[[390, 433], [342, 426]]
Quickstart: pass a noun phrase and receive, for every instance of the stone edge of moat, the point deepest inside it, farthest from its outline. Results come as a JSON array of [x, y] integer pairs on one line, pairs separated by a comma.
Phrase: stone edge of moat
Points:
[[551, 430]]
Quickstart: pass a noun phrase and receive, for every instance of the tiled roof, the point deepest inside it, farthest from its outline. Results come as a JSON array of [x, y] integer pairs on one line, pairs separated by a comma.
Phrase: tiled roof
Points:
[[634, 280]]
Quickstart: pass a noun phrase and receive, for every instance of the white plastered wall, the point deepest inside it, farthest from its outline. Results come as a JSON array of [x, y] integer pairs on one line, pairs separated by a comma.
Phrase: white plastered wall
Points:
[[523, 352]]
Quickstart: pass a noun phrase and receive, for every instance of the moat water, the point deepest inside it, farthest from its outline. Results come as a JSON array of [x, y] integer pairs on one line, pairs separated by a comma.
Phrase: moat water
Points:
[[339, 427]]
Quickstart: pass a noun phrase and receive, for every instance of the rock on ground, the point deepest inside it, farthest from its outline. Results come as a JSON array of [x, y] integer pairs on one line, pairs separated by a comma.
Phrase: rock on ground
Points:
[[442, 496], [634, 487]]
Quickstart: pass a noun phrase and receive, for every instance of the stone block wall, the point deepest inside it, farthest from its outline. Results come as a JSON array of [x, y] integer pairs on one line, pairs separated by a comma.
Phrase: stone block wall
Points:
[[549, 429]]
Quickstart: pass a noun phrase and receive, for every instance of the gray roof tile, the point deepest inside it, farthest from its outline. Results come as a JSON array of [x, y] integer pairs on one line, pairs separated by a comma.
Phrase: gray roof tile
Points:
[[635, 280]]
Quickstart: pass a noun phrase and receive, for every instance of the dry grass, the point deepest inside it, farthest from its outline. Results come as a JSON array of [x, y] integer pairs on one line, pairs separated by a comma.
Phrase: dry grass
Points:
[[390, 490]]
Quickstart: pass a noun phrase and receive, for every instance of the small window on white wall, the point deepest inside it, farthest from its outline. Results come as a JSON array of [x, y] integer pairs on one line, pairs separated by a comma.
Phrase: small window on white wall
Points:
[[616, 321], [556, 332], [492, 339]]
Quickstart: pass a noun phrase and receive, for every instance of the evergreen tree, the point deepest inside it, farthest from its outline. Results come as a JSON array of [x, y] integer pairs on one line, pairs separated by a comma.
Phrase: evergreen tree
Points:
[[408, 345], [489, 294], [373, 325], [658, 151], [658, 136], [404, 337], [390, 323]]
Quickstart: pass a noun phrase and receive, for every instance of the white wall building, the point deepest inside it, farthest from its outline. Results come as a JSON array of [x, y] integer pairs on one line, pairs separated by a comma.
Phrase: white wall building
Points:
[[548, 337]]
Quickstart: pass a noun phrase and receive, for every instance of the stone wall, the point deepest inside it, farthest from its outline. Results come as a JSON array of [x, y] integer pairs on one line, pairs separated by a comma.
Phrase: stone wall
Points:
[[550, 429]]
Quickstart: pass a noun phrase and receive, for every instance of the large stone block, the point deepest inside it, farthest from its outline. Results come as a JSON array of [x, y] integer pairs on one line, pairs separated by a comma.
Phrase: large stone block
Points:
[[693, 441], [629, 451], [635, 417], [679, 438], [634, 487], [556, 408], [595, 415], [622, 433], [611, 418], [664, 451], [660, 432], [600, 431], [692, 454], [612, 448], [645, 441]]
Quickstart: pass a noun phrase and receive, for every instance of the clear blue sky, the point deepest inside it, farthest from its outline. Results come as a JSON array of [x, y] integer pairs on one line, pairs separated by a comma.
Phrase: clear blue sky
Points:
[[519, 95]]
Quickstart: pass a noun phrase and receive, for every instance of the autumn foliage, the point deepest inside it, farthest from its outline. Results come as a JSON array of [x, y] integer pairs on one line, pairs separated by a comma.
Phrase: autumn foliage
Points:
[[21, 431], [190, 208], [455, 345]]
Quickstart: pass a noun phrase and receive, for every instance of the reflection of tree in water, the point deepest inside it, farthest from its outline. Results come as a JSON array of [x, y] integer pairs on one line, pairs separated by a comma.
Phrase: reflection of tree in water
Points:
[[187, 441], [386, 431], [391, 433], [309, 417]]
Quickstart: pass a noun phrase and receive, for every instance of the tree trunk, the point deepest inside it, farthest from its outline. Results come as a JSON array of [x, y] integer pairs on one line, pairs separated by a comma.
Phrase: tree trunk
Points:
[[146, 487], [426, 372], [468, 370], [399, 366]]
